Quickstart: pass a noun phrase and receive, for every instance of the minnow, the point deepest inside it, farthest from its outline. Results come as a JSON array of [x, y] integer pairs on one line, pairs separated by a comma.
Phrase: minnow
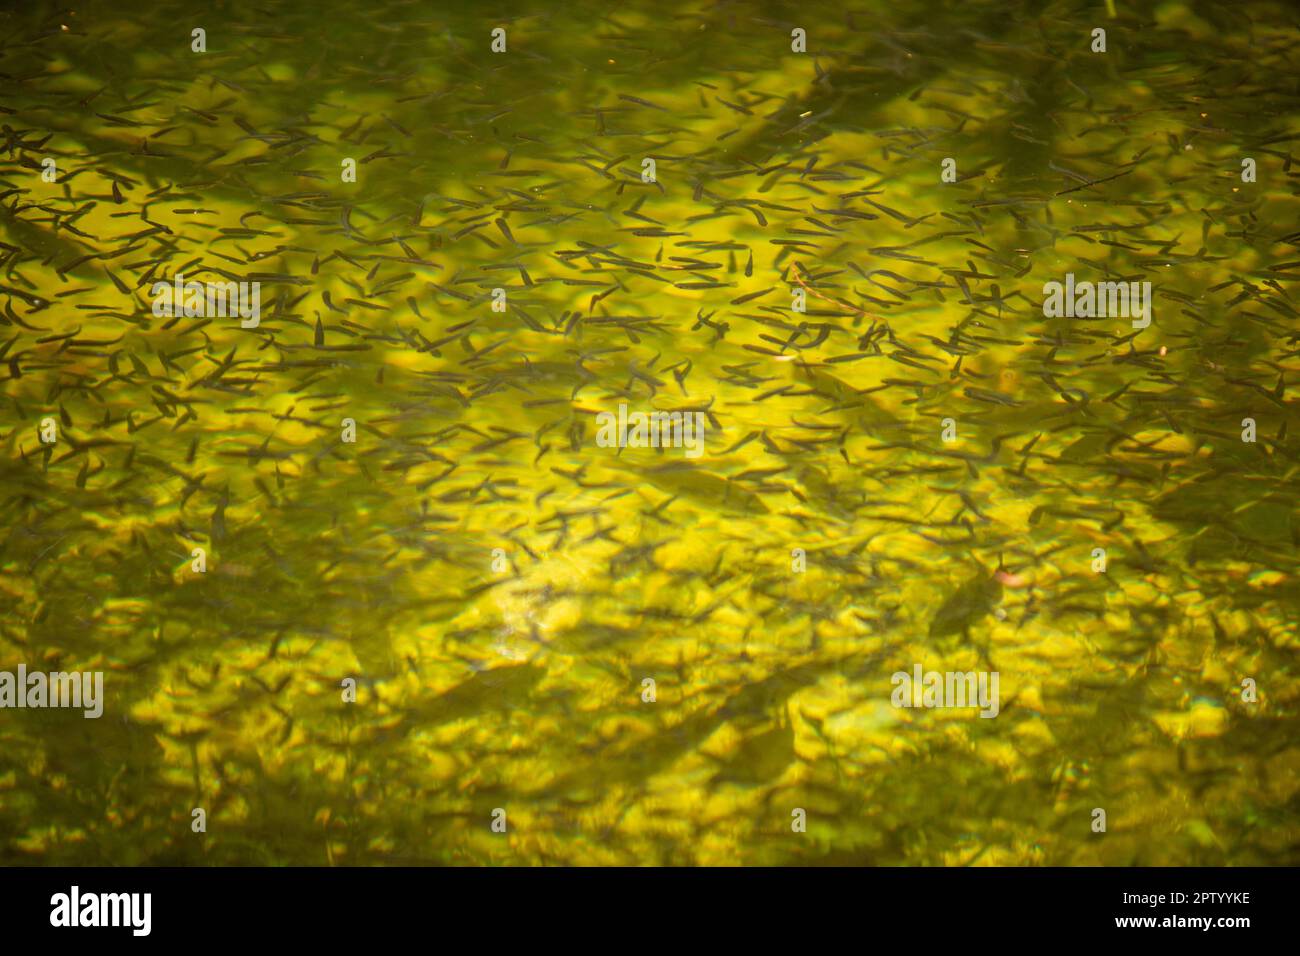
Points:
[[828, 298], [751, 296], [641, 102]]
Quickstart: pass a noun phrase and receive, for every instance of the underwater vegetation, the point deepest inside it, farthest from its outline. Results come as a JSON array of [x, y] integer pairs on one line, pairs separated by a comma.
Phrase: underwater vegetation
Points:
[[364, 586]]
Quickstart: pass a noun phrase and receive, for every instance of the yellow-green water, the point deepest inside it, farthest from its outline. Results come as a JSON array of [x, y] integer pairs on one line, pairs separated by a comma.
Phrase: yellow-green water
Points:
[[498, 584]]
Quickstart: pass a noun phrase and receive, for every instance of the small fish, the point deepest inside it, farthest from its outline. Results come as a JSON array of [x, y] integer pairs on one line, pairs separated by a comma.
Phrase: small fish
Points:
[[703, 486], [974, 599]]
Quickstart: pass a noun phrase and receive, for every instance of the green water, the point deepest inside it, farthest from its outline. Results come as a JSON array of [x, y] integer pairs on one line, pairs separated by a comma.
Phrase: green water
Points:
[[499, 585]]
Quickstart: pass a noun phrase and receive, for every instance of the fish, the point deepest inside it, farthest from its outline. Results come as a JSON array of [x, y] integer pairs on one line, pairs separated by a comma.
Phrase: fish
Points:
[[694, 483], [413, 494], [973, 600], [500, 688]]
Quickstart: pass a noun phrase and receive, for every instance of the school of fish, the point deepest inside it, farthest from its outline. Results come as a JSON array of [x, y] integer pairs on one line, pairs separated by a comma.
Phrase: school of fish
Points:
[[639, 657]]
